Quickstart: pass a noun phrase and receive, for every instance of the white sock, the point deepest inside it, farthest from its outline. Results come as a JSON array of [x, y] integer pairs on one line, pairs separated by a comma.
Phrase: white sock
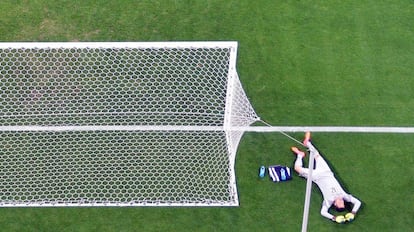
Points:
[[299, 161], [313, 150], [311, 147]]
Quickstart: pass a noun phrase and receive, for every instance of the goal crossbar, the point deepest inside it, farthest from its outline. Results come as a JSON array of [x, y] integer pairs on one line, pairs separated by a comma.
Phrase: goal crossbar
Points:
[[91, 45]]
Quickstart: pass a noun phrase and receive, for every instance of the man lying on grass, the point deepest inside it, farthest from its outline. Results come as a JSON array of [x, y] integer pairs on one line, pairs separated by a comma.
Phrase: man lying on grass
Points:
[[322, 175]]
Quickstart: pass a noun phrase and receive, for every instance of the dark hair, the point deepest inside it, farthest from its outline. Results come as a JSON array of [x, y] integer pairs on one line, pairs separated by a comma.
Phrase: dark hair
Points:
[[340, 209]]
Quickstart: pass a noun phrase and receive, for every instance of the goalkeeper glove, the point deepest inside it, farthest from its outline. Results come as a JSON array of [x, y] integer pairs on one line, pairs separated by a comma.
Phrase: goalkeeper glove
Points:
[[349, 217], [339, 219]]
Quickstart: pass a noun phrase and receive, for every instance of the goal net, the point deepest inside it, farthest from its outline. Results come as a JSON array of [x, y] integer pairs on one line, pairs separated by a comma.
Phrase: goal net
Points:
[[120, 124]]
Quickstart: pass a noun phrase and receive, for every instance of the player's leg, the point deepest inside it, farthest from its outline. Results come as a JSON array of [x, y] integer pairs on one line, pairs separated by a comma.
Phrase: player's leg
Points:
[[320, 163], [313, 150], [299, 162]]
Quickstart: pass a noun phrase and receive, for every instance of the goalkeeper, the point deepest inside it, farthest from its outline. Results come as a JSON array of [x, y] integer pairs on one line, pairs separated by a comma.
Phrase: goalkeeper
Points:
[[332, 192]]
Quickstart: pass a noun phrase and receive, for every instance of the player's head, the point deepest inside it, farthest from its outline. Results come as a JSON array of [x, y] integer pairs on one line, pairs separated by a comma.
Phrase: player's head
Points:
[[339, 204]]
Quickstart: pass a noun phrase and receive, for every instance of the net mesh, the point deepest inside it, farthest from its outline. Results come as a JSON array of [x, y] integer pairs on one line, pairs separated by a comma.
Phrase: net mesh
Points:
[[110, 91]]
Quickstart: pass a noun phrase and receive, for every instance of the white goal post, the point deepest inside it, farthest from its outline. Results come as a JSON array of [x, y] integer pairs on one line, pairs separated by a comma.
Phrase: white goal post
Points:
[[120, 124]]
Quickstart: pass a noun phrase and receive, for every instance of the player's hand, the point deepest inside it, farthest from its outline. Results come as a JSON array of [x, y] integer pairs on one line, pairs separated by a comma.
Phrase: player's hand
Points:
[[349, 217], [339, 219]]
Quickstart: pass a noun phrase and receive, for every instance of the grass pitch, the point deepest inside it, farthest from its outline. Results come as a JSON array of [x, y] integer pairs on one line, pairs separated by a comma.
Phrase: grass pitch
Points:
[[301, 63]]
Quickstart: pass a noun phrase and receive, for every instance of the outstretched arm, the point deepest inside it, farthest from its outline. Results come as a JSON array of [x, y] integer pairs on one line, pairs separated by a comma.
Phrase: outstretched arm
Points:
[[356, 203], [325, 211]]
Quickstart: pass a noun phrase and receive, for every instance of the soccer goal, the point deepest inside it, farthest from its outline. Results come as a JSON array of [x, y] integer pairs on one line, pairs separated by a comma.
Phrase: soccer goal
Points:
[[120, 124]]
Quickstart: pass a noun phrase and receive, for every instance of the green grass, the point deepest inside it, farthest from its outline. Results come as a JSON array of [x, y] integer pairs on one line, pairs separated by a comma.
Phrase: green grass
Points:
[[301, 63]]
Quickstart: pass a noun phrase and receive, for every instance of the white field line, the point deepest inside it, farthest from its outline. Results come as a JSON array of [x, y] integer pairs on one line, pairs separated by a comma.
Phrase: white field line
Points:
[[355, 129], [214, 128]]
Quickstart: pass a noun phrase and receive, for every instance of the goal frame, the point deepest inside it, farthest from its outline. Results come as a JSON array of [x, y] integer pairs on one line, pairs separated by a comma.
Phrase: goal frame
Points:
[[233, 133]]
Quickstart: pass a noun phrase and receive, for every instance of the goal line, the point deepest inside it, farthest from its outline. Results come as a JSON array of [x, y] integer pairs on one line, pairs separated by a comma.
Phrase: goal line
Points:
[[353, 129]]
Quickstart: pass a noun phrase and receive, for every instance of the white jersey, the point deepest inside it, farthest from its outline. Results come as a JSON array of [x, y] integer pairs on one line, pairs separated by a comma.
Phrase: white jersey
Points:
[[328, 184]]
